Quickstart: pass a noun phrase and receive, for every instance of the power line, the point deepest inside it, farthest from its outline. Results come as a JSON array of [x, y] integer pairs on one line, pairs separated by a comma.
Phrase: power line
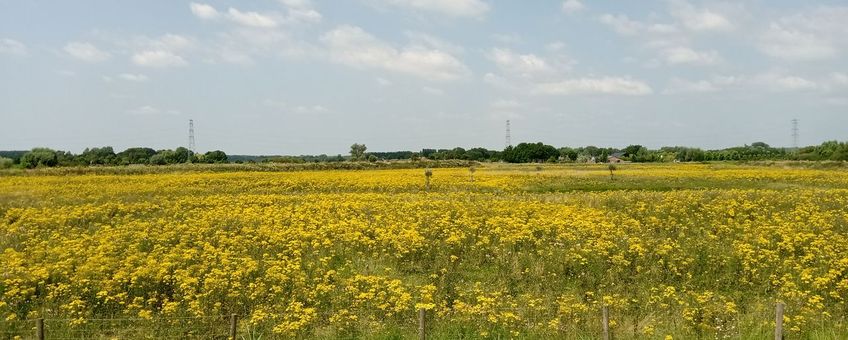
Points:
[[191, 135], [508, 137], [795, 133]]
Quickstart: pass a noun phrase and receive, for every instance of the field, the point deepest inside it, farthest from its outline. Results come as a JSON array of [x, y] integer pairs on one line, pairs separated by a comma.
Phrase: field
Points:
[[676, 251]]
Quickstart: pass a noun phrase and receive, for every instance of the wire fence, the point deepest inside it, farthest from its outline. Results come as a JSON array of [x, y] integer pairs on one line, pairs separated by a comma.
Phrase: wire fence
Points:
[[211, 327], [228, 328]]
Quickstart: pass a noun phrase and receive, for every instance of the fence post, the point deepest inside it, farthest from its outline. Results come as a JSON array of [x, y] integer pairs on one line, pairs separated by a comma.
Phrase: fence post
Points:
[[422, 330], [778, 321], [605, 321], [39, 329], [233, 326]]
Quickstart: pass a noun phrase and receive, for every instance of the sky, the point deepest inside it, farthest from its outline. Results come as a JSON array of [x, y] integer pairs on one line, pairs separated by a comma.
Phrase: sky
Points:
[[313, 77]]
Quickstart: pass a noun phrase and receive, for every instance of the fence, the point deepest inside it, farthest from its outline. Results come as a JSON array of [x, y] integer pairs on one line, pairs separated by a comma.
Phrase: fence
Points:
[[213, 327]]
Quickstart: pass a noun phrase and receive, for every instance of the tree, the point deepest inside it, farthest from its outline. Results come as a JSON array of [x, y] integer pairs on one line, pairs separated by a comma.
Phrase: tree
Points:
[[135, 156], [631, 150], [6, 163], [529, 152], [161, 157], [357, 151], [568, 154], [216, 156], [39, 157], [97, 156]]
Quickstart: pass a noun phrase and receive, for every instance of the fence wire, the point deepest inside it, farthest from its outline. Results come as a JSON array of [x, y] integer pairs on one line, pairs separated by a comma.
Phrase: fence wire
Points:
[[214, 327]]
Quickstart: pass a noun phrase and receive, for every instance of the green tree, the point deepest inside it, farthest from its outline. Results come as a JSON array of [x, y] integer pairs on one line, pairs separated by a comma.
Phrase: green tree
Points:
[[39, 157], [529, 152], [135, 156], [357, 151], [6, 163], [216, 156], [97, 156], [180, 155], [161, 157]]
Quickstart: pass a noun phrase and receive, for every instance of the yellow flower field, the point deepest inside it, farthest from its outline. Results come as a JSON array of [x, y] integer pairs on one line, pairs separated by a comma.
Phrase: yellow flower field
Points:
[[519, 252]]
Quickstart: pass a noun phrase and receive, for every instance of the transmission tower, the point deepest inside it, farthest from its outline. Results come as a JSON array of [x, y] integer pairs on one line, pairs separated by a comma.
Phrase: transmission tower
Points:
[[191, 135], [508, 137], [795, 133]]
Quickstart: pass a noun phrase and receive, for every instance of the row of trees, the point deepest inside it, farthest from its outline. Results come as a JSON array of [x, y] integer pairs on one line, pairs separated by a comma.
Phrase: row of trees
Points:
[[45, 157], [540, 152], [521, 153]]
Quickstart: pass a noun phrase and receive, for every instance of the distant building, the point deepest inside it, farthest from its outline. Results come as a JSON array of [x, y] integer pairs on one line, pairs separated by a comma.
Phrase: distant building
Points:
[[616, 158]]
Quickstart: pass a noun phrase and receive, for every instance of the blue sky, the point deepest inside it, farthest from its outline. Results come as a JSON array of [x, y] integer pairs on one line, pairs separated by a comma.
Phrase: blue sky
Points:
[[311, 77]]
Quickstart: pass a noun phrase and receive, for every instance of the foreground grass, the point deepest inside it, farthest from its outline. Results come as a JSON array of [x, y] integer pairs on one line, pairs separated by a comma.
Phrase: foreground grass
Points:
[[528, 252]]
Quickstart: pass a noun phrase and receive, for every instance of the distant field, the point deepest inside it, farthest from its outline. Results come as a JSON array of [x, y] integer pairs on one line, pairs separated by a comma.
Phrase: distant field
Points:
[[522, 251]]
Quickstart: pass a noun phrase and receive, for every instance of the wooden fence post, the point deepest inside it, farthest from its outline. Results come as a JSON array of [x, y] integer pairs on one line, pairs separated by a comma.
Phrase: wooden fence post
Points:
[[233, 326], [778, 321], [39, 329], [605, 321], [422, 330]]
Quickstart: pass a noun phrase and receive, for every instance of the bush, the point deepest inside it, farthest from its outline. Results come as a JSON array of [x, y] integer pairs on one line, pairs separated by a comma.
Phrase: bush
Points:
[[39, 157], [6, 163]]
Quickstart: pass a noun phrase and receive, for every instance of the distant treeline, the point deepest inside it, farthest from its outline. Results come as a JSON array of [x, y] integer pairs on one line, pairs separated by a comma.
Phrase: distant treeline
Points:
[[521, 153], [44, 157]]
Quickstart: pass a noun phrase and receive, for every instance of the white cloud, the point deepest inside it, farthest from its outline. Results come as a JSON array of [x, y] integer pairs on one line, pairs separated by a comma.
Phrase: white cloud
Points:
[[555, 46], [433, 91], [12, 47], [792, 44], [204, 11], [678, 85], [685, 55], [501, 83], [168, 42], [507, 38], [148, 110], [158, 58], [86, 52], [789, 83], [428, 41], [301, 4], [352, 46], [521, 65], [310, 109], [604, 85], [670, 42], [531, 74], [808, 35], [456, 8], [133, 77], [298, 11], [242, 44], [839, 78], [301, 11], [383, 81], [699, 19], [623, 25], [768, 81], [251, 19], [572, 6], [283, 106]]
